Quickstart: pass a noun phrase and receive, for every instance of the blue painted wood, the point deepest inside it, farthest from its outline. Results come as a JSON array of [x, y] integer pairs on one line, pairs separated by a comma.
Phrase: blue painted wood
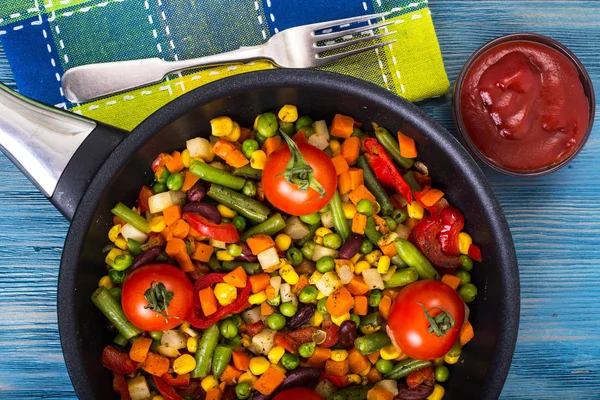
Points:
[[555, 223]]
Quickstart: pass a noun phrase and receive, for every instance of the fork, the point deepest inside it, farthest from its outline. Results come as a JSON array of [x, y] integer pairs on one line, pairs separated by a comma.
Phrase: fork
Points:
[[298, 47]]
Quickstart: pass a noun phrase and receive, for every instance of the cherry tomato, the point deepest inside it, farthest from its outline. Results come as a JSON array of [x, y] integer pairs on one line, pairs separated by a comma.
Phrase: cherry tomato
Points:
[[288, 197], [409, 325], [174, 282], [145, 193], [297, 394]]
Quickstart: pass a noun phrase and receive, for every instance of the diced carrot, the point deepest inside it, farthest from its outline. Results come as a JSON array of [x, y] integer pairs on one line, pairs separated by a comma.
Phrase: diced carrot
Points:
[[172, 214], [342, 126], [259, 282], [270, 292], [230, 375], [340, 164], [301, 284], [175, 246], [407, 146], [180, 229], [344, 183], [389, 249], [357, 286], [431, 197], [174, 163], [384, 306], [139, 349], [379, 393], [166, 234], [361, 305], [237, 159], [213, 394], [208, 301], [259, 243], [237, 277], [118, 221], [266, 309], [360, 193], [373, 357], [411, 222], [392, 293], [351, 149], [466, 333], [245, 133], [373, 376], [337, 368], [194, 234], [320, 355], [299, 137], [241, 360], [451, 280], [339, 302], [222, 148], [382, 226], [357, 177], [189, 180], [358, 363], [271, 144], [202, 252], [359, 223], [185, 262], [156, 364], [269, 381]]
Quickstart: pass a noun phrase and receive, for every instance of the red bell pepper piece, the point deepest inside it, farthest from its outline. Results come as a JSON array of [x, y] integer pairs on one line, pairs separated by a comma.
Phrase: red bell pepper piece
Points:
[[225, 232], [255, 328], [475, 253], [332, 335], [160, 161], [303, 335], [284, 340], [199, 320], [182, 381], [424, 236], [117, 361], [452, 224], [120, 386], [168, 392], [338, 381], [376, 151], [381, 170], [423, 375], [421, 179], [143, 198]]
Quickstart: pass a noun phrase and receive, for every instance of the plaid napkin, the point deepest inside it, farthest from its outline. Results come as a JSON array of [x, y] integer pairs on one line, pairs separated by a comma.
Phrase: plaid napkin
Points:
[[44, 38]]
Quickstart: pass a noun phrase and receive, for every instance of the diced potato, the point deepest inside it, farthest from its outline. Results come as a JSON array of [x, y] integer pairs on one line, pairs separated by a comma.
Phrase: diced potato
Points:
[[160, 202], [263, 341], [217, 243], [173, 339], [296, 228], [178, 197], [268, 258], [252, 315], [373, 278], [320, 128], [200, 147], [131, 232], [276, 284], [329, 283], [138, 388], [319, 141], [321, 251], [345, 273], [286, 294], [327, 219]]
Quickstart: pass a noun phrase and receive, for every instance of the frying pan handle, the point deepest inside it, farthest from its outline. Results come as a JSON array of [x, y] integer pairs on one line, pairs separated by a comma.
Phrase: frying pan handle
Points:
[[55, 149]]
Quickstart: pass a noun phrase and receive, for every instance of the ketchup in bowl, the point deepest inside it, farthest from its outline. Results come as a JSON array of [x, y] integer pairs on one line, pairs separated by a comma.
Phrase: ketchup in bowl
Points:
[[522, 104]]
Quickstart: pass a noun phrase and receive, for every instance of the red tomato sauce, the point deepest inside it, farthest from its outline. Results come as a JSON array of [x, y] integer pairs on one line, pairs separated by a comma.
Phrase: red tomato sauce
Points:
[[523, 106]]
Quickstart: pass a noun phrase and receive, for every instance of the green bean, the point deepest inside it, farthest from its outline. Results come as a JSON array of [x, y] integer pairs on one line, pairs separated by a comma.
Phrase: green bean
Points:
[[116, 292], [405, 367], [112, 310], [249, 189], [214, 264], [455, 350], [214, 175], [374, 186], [400, 216], [371, 231], [371, 343], [159, 188], [248, 172], [131, 217], [311, 233], [351, 393], [269, 227], [220, 360], [205, 351], [374, 319], [415, 259], [409, 177], [251, 268], [358, 132], [339, 219], [246, 206], [392, 147], [398, 261], [401, 278], [375, 298], [134, 247], [122, 262], [120, 340]]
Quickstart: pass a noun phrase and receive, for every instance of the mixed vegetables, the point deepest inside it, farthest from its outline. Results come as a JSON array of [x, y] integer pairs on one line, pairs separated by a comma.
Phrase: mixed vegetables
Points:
[[291, 260]]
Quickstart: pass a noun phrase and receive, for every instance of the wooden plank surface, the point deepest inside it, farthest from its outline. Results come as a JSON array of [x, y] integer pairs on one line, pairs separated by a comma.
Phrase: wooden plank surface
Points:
[[555, 222]]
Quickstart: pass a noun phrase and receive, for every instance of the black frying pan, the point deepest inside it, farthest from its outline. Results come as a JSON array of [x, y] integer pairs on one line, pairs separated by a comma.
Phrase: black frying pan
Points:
[[110, 166]]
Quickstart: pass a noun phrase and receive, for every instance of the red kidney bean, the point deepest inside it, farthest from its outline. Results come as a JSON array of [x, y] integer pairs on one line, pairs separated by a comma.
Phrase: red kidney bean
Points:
[[207, 211], [419, 393], [302, 317], [348, 334], [351, 247], [147, 257], [246, 253], [196, 192]]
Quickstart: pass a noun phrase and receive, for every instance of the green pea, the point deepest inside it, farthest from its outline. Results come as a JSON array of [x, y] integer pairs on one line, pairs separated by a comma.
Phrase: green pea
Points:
[[468, 292], [366, 247], [332, 241], [308, 294], [239, 222], [390, 223], [117, 276], [163, 175], [288, 309], [384, 366], [134, 247], [276, 321], [365, 207], [237, 320], [229, 329], [287, 128], [175, 181], [243, 390], [159, 187], [248, 147], [464, 276], [308, 250], [357, 132], [311, 219], [307, 349], [260, 139], [294, 255], [249, 189], [156, 335], [122, 262], [400, 216], [355, 318], [442, 373], [303, 121], [290, 361], [322, 306], [275, 301], [375, 298], [325, 264], [116, 292], [120, 340], [267, 124], [236, 341], [467, 263], [234, 250]]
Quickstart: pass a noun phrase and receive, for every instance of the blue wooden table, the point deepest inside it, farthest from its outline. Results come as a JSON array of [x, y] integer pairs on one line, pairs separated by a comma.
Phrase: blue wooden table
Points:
[[555, 222]]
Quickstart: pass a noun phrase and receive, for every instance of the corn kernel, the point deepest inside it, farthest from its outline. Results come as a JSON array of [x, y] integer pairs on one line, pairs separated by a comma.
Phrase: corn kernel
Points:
[[113, 234], [288, 274], [186, 158], [360, 266], [223, 255], [112, 254], [226, 212], [318, 240], [364, 373], [464, 242], [339, 355], [320, 295], [121, 243], [275, 354], [283, 241], [157, 224], [338, 320], [383, 265], [209, 383], [184, 364], [373, 257], [288, 113], [247, 377], [158, 397], [438, 392], [415, 210], [258, 159], [245, 340], [335, 147], [356, 258], [317, 319], [106, 282], [314, 278], [451, 360], [235, 134], [259, 365], [255, 125], [354, 378], [349, 210], [192, 344], [389, 352], [279, 368], [221, 126], [225, 293], [185, 327], [322, 231], [258, 298]]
